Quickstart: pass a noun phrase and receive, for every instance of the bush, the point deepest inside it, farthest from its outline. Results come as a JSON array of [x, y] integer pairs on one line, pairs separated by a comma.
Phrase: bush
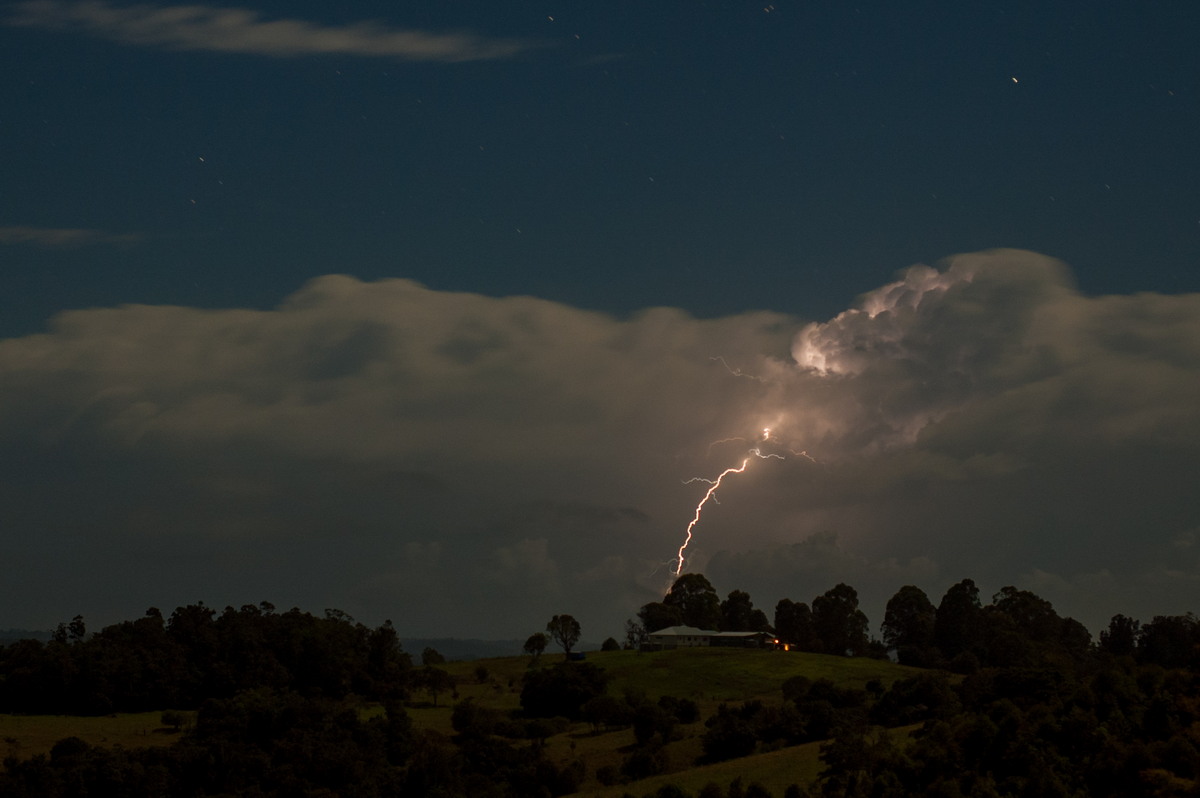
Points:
[[644, 763], [607, 775], [684, 710], [606, 711], [730, 735], [175, 720], [561, 690]]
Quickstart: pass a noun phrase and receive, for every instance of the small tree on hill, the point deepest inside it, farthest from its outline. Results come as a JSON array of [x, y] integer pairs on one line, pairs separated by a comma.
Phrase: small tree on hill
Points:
[[565, 631], [434, 681], [536, 644]]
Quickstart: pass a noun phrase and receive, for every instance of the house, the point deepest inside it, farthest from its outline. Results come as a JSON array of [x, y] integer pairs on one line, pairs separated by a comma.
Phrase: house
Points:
[[690, 636]]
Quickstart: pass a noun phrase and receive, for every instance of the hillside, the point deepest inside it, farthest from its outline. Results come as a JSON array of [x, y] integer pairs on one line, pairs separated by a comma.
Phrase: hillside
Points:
[[708, 676]]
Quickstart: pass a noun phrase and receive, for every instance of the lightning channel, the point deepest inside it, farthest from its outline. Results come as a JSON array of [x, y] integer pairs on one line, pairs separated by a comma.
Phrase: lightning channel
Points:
[[711, 495]]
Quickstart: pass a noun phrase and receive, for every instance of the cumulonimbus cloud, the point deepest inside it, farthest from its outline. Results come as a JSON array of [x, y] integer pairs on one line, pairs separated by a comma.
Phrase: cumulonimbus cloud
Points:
[[387, 445], [63, 237], [238, 30]]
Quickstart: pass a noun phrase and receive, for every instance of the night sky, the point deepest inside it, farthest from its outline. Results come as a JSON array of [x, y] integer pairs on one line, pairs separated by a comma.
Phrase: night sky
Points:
[[427, 311]]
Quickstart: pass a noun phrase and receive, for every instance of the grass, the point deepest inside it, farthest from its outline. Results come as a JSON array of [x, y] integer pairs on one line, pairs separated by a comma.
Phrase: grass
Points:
[[775, 770], [25, 736], [708, 676]]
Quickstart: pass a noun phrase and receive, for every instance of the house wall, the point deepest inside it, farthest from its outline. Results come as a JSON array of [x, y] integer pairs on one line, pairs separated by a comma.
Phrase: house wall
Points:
[[678, 641]]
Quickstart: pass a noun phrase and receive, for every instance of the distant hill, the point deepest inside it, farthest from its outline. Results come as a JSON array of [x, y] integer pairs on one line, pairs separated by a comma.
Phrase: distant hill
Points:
[[454, 649], [13, 635]]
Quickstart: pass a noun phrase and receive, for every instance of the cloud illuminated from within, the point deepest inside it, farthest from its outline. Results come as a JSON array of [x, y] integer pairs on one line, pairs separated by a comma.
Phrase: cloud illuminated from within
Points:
[[485, 462], [239, 30]]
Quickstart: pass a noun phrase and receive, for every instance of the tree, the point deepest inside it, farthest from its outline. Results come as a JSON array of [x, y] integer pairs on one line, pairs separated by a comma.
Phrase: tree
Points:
[[434, 681], [656, 615], [738, 614], [387, 662], [794, 625], [1030, 613], [562, 689], [174, 719], [610, 644], [697, 601], [536, 644], [957, 626], [839, 623], [565, 631], [908, 625], [431, 656], [77, 629], [1170, 641], [635, 633], [1120, 639]]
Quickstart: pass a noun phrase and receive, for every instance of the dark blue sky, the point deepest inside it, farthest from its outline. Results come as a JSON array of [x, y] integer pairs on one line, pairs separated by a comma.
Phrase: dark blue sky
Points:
[[472, 456], [717, 157]]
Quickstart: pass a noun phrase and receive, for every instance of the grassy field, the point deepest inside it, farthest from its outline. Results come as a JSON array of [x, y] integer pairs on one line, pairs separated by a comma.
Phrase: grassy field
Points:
[[707, 676], [25, 736]]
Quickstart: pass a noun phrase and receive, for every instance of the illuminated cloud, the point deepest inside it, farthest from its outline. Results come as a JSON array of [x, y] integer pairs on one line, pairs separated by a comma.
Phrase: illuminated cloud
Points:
[[473, 463], [63, 237], [238, 30]]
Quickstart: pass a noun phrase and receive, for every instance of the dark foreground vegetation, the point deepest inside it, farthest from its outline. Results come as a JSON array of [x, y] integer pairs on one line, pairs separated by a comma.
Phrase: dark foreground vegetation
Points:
[[998, 700]]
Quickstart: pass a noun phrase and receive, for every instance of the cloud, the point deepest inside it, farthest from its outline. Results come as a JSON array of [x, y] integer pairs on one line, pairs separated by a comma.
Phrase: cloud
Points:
[[467, 464], [238, 30], [63, 237]]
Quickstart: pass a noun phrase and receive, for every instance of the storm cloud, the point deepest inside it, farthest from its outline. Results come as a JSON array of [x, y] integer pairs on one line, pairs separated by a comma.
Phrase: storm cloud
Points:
[[469, 466]]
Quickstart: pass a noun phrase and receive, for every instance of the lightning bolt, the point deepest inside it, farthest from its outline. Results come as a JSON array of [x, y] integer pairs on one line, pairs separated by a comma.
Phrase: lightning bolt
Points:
[[735, 372], [711, 495]]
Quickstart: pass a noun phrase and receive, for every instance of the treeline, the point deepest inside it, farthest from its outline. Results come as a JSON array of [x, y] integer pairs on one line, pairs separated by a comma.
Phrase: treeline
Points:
[[1016, 629], [1112, 727], [834, 624], [1035, 708], [267, 742], [196, 654]]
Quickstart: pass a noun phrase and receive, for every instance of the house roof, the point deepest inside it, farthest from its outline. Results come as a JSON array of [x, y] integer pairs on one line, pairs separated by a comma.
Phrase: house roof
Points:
[[685, 631], [692, 631]]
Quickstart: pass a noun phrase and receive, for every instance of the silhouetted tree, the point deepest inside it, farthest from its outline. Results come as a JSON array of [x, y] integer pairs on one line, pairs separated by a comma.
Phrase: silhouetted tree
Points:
[[794, 625], [434, 681], [565, 631], [656, 615], [959, 620], [697, 601], [1170, 641], [561, 690], [635, 633], [1120, 639], [908, 624], [76, 629], [738, 614], [839, 624], [536, 644]]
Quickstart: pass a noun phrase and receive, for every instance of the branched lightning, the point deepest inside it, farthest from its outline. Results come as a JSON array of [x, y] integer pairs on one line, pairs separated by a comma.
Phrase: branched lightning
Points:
[[735, 372], [711, 495], [714, 484]]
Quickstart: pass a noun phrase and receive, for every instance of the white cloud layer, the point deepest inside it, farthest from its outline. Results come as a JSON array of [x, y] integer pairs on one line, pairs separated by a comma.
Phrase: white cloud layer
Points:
[[470, 466], [239, 30]]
